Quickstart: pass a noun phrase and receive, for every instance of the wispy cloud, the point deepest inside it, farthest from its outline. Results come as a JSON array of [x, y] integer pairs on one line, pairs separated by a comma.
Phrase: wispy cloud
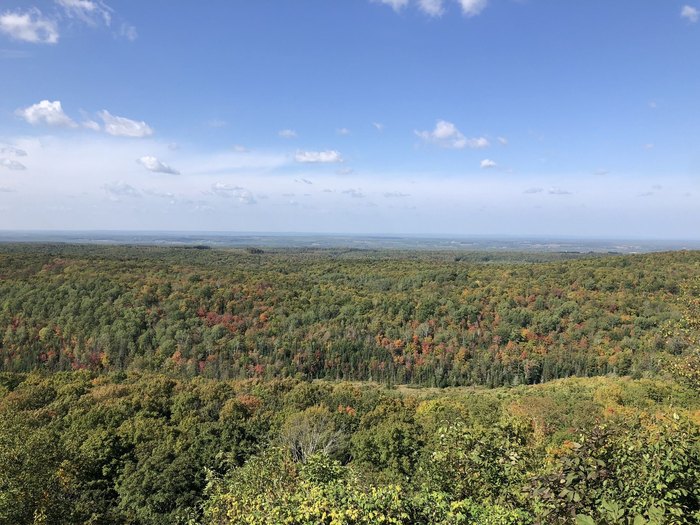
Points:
[[378, 126], [88, 11], [230, 191], [322, 157], [534, 190], [287, 133], [473, 7], [46, 112], [12, 150], [396, 5], [690, 13], [355, 194], [342, 131], [121, 189], [395, 194], [12, 164], [432, 7], [446, 135], [558, 191], [29, 26], [124, 127], [153, 164]]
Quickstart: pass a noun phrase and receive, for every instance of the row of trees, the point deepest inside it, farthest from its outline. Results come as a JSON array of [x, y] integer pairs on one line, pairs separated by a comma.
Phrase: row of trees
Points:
[[388, 316]]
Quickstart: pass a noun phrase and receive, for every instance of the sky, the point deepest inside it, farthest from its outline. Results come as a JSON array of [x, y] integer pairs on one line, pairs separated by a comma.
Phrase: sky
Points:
[[459, 117]]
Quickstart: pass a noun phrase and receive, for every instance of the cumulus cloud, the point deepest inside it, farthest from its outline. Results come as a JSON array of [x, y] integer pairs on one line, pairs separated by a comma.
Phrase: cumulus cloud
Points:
[[473, 7], [46, 112], [432, 7], [29, 26], [487, 164], [153, 164], [124, 127], [323, 157], [229, 191], [534, 190], [396, 5], [558, 191], [121, 189], [690, 13], [12, 164], [395, 194], [446, 135], [287, 133], [87, 11]]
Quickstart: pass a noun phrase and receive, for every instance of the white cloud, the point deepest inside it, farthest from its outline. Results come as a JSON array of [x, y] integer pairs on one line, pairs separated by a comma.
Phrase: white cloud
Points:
[[342, 131], [229, 191], [446, 135], [87, 11], [287, 133], [690, 13], [327, 156], [649, 146], [344, 171], [503, 141], [378, 126], [6, 189], [473, 7], [238, 148], [487, 164], [12, 164], [153, 164], [124, 127], [46, 112], [121, 189], [217, 123], [396, 5], [534, 190], [30, 26], [432, 7], [558, 191]]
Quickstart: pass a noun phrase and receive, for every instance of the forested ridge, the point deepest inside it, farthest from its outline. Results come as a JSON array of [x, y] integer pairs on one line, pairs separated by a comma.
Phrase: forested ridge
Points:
[[432, 319], [161, 385]]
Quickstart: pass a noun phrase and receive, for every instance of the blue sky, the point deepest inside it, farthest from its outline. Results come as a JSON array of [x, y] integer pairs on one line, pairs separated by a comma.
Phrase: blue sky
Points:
[[395, 116]]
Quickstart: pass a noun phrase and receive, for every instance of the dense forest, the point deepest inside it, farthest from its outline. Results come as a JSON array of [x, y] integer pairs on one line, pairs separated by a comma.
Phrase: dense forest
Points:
[[419, 318], [161, 385], [132, 448]]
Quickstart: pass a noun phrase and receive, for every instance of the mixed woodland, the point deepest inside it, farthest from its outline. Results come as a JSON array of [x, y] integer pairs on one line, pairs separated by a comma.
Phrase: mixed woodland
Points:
[[159, 385]]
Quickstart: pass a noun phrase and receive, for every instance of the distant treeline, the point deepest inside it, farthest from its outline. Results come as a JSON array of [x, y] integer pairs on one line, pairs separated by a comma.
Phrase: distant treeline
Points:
[[433, 319]]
